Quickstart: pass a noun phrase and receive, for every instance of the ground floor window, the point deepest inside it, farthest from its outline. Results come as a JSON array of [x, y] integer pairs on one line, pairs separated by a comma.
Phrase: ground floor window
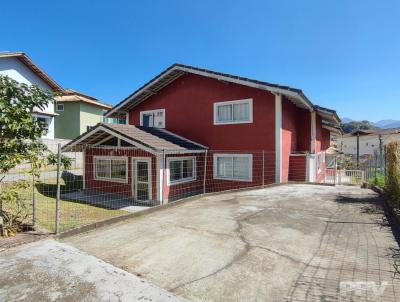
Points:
[[181, 169], [233, 166], [111, 168]]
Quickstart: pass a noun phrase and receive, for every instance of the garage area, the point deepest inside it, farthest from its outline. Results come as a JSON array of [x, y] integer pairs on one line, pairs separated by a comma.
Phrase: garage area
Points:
[[292, 242]]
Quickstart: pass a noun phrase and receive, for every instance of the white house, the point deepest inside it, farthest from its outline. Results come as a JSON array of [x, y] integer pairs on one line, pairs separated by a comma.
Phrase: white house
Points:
[[370, 141], [18, 66]]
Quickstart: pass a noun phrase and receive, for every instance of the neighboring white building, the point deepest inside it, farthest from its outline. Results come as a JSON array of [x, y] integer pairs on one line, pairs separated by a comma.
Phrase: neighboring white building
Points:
[[18, 66], [369, 140]]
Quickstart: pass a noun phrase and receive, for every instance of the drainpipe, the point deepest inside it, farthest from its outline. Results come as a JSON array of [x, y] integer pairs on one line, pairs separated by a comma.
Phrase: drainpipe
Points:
[[163, 177]]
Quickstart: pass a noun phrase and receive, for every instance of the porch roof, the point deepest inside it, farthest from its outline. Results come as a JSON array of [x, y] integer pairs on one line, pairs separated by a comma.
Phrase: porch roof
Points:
[[146, 138]]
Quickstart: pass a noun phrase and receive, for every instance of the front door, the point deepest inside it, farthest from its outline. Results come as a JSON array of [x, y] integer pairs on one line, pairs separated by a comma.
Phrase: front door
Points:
[[142, 179]]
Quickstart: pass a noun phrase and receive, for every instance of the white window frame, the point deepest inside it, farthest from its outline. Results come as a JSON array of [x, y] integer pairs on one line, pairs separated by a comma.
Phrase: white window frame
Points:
[[59, 105], [244, 101], [153, 112], [119, 180], [183, 180], [232, 155]]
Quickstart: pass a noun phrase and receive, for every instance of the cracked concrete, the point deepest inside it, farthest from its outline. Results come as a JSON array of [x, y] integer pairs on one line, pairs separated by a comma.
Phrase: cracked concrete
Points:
[[294, 242]]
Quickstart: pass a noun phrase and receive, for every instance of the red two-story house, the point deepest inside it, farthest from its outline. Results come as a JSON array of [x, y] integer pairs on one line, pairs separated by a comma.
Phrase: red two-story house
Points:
[[192, 130]]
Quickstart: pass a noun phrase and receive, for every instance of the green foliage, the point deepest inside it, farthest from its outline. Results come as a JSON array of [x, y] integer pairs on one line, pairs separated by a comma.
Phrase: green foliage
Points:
[[19, 130], [378, 180], [393, 171], [353, 126], [15, 210], [66, 162]]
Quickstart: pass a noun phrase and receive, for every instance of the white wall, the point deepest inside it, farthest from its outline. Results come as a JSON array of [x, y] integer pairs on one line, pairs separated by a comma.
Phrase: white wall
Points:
[[18, 71], [368, 143]]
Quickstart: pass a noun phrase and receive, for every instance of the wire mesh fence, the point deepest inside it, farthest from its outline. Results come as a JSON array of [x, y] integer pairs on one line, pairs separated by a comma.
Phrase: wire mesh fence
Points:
[[108, 181]]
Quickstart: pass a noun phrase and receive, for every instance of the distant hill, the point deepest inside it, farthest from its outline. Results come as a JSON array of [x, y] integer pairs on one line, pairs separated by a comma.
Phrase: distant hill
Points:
[[386, 124], [355, 125], [349, 125]]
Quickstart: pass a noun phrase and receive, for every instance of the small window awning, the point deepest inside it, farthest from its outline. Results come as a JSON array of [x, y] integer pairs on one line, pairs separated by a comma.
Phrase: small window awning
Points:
[[153, 140]]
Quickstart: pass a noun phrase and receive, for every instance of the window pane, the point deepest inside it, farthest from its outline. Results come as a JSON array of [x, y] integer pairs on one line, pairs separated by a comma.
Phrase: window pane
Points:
[[224, 113], [147, 120], [103, 168], [142, 171], [187, 168], [241, 112], [175, 170], [118, 169], [241, 167], [159, 119], [224, 166]]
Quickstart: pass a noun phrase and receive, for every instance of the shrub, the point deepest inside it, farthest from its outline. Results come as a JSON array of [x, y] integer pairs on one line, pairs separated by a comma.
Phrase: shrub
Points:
[[393, 171], [15, 209]]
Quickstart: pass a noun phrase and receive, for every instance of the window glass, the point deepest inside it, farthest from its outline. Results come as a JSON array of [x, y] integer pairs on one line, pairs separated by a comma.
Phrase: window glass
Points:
[[233, 111], [181, 169], [103, 168], [241, 167], [154, 118], [175, 169], [110, 168], [118, 169], [224, 113], [233, 167], [241, 112]]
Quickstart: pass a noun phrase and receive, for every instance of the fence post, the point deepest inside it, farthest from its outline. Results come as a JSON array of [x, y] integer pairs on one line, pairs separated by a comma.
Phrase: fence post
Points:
[[263, 168], [58, 189], [205, 171], [164, 170], [33, 201]]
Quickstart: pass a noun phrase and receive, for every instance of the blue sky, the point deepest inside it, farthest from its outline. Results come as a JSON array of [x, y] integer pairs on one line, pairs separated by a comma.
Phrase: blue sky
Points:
[[343, 54]]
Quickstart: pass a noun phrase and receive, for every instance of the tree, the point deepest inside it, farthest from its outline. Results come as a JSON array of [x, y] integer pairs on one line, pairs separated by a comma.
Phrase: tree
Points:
[[354, 125], [20, 135], [19, 130]]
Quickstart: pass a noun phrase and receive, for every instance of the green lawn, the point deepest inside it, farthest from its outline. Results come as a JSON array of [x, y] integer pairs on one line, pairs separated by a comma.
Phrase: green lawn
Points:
[[72, 214]]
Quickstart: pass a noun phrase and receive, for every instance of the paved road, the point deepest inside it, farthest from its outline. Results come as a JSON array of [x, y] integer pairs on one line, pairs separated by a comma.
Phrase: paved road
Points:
[[288, 243], [52, 271]]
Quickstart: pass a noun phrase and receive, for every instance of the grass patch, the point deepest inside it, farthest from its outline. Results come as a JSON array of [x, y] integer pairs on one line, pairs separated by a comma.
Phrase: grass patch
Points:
[[72, 214]]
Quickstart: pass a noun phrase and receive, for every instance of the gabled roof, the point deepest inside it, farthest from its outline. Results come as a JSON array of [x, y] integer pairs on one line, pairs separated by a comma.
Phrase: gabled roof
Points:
[[151, 139], [177, 70], [33, 67], [69, 95]]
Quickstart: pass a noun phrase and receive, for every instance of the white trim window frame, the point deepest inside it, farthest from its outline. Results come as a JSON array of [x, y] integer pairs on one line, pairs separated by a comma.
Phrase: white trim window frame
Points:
[[110, 159], [58, 108], [154, 114], [183, 179], [233, 115], [228, 166]]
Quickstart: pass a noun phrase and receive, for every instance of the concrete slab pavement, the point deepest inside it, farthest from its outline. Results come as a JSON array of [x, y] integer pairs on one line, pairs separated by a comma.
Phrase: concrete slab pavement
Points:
[[48, 270]]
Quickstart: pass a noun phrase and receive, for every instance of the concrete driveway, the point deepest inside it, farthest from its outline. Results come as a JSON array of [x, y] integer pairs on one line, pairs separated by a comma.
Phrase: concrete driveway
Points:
[[297, 242]]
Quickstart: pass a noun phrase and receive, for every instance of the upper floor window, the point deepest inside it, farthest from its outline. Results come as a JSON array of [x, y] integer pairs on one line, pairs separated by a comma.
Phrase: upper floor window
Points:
[[153, 118], [233, 112], [60, 107]]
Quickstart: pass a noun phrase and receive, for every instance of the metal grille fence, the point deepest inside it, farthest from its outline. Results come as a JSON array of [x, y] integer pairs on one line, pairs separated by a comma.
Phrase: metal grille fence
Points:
[[111, 181]]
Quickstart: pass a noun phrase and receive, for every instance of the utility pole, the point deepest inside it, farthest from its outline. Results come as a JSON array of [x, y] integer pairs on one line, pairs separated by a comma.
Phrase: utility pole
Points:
[[380, 151]]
